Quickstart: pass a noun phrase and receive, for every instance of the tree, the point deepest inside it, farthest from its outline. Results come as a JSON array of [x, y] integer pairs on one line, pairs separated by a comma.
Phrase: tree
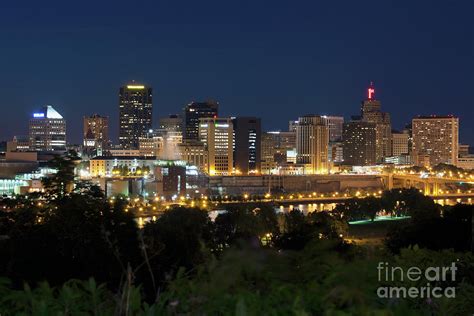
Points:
[[181, 237], [79, 236], [359, 209], [267, 219], [328, 225], [238, 223], [296, 232], [61, 183], [409, 202]]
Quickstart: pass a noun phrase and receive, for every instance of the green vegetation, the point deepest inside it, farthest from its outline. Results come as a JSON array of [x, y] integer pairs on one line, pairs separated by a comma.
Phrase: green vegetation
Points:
[[58, 247]]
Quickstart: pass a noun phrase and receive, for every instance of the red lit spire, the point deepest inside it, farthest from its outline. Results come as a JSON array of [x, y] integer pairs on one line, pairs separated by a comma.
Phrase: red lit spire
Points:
[[371, 91]]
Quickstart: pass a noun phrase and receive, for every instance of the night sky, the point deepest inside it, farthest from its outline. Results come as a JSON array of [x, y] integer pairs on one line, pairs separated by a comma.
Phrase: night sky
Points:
[[273, 59]]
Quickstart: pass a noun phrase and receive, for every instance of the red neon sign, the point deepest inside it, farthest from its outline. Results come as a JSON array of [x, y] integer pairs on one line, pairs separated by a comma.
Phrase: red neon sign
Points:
[[371, 91]]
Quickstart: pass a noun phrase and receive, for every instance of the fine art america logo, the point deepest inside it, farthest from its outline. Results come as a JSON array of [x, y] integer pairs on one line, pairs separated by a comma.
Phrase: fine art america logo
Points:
[[423, 283]]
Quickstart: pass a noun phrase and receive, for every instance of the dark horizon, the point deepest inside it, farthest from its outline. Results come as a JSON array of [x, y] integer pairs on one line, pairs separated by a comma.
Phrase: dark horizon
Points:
[[277, 61]]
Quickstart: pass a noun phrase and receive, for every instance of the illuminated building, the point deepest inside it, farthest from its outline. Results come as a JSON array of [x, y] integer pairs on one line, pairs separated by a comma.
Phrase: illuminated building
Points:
[[466, 162], [96, 132], [161, 143], [277, 148], [135, 115], [312, 141], [401, 148], [172, 123], [151, 146], [435, 140], [286, 140], [282, 142], [124, 152], [217, 135], [359, 145], [193, 112], [194, 153], [463, 150], [107, 166], [292, 125], [336, 151], [335, 124], [399, 160], [371, 112], [268, 151], [172, 178], [400, 144], [19, 143], [247, 142], [47, 130]]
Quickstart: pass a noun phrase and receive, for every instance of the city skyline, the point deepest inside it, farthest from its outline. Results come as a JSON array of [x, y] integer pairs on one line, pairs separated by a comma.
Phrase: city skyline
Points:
[[114, 126], [251, 57], [236, 157]]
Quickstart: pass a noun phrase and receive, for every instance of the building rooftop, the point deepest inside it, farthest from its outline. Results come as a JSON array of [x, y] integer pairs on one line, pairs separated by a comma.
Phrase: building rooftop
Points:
[[435, 116], [124, 158], [47, 111]]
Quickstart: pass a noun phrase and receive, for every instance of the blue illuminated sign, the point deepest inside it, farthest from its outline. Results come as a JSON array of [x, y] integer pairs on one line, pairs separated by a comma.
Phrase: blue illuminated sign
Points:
[[38, 114]]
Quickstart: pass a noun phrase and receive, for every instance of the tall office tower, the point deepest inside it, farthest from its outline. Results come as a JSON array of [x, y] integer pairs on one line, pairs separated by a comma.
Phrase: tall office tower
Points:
[[172, 123], [47, 130], [409, 131], [399, 143], [335, 124], [284, 140], [195, 111], [268, 151], [359, 145], [136, 112], [96, 132], [371, 112], [217, 136], [312, 140], [278, 148], [247, 145], [435, 140]]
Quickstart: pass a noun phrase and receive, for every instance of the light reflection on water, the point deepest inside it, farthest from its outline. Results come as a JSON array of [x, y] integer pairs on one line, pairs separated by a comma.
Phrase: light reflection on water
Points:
[[305, 208], [451, 202]]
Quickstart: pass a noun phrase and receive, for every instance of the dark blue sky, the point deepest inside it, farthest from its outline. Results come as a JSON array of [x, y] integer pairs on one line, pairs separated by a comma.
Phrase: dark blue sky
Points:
[[273, 59]]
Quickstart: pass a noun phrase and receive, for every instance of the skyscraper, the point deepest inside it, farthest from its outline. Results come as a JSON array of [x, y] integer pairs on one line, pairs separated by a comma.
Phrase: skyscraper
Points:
[[96, 132], [312, 140], [217, 136], [195, 111], [47, 130], [400, 143], [268, 151], [371, 112], [171, 123], [335, 124], [247, 150], [435, 140], [136, 112], [359, 145]]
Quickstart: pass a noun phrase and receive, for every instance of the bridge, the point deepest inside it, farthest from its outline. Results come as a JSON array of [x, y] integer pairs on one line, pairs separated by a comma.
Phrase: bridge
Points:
[[429, 184], [214, 205]]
